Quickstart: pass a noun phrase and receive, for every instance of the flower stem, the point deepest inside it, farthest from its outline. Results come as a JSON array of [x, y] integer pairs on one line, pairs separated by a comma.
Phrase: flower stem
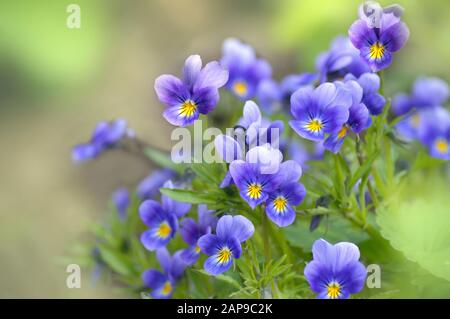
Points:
[[265, 234]]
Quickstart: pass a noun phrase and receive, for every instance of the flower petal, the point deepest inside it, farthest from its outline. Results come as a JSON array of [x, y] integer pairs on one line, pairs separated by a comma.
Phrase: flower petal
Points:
[[228, 148], [191, 69], [170, 90], [213, 75]]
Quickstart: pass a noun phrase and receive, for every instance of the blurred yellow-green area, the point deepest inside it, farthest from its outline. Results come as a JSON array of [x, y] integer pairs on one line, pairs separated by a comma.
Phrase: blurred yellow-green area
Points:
[[57, 82]]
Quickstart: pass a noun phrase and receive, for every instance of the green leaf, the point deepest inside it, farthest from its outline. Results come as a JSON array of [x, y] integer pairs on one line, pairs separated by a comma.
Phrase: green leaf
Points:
[[362, 170], [117, 261], [417, 224], [163, 159], [188, 196], [224, 278], [333, 229]]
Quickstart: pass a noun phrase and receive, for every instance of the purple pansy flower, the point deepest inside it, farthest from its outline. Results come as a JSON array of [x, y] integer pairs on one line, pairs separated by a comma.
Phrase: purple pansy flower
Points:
[[279, 205], [341, 59], [274, 97], [225, 245], [335, 271], [162, 220], [319, 111], [370, 84], [414, 125], [197, 93], [377, 44], [252, 130], [162, 283], [121, 199], [191, 231], [359, 117], [245, 69], [426, 92], [148, 188], [257, 177], [433, 131], [105, 135]]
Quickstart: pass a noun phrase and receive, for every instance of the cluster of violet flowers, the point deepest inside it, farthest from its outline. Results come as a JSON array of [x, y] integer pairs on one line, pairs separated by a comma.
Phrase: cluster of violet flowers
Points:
[[339, 99]]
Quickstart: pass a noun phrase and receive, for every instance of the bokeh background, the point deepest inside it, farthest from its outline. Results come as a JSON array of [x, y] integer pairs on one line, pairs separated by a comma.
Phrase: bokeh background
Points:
[[56, 83]]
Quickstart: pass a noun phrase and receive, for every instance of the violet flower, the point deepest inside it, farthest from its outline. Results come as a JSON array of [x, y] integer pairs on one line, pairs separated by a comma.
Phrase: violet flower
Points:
[[197, 93]]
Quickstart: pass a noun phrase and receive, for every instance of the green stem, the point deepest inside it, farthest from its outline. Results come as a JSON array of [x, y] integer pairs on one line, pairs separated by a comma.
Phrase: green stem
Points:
[[265, 234]]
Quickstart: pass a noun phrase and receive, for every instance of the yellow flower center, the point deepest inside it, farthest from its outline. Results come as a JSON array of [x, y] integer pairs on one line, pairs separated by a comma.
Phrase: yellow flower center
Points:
[[376, 51], [167, 288], [197, 249], [279, 204], [314, 125], [164, 230], [240, 88], [415, 120], [333, 290], [224, 255], [254, 190], [343, 132], [188, 108], [442, 146]]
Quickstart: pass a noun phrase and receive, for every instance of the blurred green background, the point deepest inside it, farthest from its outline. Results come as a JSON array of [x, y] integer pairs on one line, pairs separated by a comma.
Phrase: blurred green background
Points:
[[56, 83]]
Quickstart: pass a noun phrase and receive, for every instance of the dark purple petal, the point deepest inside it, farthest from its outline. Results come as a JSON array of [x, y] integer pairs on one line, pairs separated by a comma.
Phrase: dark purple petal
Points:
[[375, 103], [401, 104], [151, 213], [209, 244], [361, 35], [206, 99], [395, 36], [153, 279], [170, 90], [353, 277], [334, 118], [302, 101], [190, 231], [318, 276], [358, 117]]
